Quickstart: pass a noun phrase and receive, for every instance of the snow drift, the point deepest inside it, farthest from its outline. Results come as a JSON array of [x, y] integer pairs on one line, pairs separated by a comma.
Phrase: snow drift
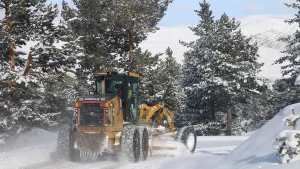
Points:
[[257, 151], [29, 148]]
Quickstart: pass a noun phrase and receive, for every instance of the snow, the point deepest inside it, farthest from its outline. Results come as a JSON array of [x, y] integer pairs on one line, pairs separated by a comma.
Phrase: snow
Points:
[[212, 152], [257, 150], [253, 150], [297, 81], [38, 152]]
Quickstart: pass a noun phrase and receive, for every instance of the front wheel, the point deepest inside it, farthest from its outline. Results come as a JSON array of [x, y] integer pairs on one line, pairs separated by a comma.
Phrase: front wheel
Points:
[[130, 143], [144, 139], [187, 136]]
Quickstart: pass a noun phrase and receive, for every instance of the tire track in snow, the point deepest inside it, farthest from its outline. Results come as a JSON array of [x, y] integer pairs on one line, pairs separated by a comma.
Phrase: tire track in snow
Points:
[[68, 165], [216, 150]]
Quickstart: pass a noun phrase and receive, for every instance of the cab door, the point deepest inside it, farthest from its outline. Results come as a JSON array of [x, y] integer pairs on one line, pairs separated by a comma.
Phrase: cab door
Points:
[[133, 99]]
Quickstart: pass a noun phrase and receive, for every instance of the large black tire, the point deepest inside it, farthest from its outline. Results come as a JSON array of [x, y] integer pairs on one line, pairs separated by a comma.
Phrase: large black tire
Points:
[[130, 143], [63, 143], [187, 136], [74, 153], [144, 139]]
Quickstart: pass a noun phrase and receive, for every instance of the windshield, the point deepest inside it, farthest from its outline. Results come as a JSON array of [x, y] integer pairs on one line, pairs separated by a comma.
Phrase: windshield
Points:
[[110, 86], [114, 86]]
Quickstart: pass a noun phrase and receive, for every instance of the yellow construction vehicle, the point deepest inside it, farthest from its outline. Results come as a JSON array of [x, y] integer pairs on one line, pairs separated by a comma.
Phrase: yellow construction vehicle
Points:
[[114, 120]]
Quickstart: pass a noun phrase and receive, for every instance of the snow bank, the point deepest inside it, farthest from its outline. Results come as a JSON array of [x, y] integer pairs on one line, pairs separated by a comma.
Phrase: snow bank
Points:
[[34, 147], [257, 151], [35, 137]]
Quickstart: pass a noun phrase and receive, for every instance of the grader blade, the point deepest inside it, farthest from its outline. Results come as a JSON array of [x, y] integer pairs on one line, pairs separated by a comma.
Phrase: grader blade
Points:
[[167, 147]]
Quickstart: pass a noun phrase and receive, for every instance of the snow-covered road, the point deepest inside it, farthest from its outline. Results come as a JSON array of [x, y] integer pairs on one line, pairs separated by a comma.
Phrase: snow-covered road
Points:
[[41, 155], [36, 150]]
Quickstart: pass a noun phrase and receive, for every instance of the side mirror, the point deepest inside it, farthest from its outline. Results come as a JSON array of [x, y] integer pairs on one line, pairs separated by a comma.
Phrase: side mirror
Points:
[[151, 91]]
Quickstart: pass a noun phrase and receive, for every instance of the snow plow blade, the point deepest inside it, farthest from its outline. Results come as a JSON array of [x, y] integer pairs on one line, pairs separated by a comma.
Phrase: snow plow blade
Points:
[[167, 146]]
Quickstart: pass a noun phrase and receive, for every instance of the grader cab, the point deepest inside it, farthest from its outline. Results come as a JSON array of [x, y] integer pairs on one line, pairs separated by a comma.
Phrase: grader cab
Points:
[[113, 120]]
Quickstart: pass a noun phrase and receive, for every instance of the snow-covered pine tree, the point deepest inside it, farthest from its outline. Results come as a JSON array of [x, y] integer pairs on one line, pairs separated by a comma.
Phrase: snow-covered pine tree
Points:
[[91, 38], [287, 92], [22, 94], [226, 63], [238, 67], [287, 144], [132, 20], [161, 74], [284, 93], [195, 110], [106, 31], [252, 111], [145, 63], [291, 52], [168, 76]]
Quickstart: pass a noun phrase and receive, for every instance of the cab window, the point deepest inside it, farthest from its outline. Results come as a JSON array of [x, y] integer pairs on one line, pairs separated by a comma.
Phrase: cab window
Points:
[[133, 98], [99, 87], [113, 86]]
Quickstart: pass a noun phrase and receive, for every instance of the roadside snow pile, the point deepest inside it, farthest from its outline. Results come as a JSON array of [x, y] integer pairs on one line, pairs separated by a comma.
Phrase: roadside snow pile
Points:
[[35, 137], [36, 146], [287, 143], [257, 151]]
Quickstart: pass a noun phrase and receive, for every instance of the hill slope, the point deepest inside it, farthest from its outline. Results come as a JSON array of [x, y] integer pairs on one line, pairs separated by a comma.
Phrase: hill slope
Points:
[[265, 29]]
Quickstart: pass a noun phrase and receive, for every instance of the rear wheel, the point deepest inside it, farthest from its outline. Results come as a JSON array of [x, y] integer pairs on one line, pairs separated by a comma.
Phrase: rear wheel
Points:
[[74, 153], [130, 143], [63, 143], [187, 136], [144, 144]]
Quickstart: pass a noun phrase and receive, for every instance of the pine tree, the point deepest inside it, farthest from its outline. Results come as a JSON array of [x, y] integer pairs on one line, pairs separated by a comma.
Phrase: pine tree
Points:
[[287, 144], [133, 20], [286, 91], [23, 100], [168, 76], [224, 65], [105, 32], [196, 112], [291, 52], [145, 64], [253, 111], [90, 38]]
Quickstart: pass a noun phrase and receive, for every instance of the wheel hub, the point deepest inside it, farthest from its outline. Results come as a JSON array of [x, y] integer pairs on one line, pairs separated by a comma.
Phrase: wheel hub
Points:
[[190, 142]]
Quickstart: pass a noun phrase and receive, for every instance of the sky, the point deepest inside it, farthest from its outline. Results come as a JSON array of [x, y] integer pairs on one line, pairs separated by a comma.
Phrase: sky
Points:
[[181, 12]]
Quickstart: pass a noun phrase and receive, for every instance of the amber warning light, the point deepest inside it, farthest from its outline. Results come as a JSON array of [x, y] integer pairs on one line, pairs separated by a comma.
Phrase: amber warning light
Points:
[[78, 104], [104, 104]]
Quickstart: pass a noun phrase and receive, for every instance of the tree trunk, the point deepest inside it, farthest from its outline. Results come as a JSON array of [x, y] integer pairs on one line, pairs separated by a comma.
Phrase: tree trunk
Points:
[[10, 42], [229, 121], [27, 66], [130, 51]]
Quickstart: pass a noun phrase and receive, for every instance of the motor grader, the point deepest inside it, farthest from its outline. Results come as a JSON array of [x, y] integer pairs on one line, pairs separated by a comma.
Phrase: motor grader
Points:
[[113, 120]]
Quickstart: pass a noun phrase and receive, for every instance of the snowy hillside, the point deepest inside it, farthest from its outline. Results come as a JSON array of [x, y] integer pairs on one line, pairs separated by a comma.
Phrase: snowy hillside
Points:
[[265, 29]]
